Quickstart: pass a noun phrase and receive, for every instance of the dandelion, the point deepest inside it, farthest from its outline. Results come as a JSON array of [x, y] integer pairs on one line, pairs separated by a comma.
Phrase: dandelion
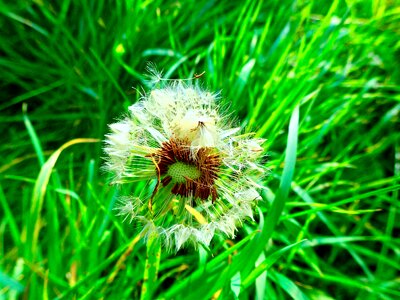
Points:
[[201, 173]]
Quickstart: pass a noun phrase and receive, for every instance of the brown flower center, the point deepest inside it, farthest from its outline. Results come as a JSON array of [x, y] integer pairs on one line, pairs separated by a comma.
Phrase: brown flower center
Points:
[[192, 174]]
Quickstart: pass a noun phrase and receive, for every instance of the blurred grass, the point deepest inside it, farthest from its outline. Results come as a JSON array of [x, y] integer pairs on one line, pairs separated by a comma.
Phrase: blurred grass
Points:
[[75, 66]]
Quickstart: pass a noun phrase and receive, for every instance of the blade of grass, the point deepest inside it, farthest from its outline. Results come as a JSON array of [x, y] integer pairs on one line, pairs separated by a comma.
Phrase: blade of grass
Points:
[[267, 264], [288, 286], [10, 283], [9, 217], [274, 213], [39, 194]]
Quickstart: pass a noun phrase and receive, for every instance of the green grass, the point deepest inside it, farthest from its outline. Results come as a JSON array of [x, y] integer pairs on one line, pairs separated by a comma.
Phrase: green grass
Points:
[[319, 80]]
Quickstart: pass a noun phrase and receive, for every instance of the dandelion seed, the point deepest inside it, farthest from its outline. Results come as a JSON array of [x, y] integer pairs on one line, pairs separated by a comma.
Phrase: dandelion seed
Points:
[[203, 173]]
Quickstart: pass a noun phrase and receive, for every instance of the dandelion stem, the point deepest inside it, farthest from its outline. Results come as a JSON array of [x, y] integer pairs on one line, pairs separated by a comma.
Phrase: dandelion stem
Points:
[[151, 267]]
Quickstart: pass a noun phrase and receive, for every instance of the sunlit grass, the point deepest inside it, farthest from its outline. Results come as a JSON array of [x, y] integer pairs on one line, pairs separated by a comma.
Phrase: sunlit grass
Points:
[[69, 68]]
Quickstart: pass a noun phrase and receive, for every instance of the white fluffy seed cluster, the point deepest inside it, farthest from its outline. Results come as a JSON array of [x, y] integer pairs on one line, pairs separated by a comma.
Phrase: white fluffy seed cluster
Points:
[[185, 112]]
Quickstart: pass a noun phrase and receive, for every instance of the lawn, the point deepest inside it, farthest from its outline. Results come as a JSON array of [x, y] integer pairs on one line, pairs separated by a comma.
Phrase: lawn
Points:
[[318, 80]]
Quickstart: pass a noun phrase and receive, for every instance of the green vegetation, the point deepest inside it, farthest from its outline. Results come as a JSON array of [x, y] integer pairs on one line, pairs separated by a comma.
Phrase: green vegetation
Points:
[[68, 68]]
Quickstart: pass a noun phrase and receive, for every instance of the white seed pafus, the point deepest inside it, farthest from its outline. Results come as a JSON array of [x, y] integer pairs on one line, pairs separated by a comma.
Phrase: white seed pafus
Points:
[[202, 173]]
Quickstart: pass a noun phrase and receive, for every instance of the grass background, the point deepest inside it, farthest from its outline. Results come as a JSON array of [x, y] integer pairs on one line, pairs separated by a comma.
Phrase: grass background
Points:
[[68, 68]]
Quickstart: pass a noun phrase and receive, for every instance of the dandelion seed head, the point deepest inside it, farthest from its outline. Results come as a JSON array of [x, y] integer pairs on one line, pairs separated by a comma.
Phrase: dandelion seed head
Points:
[[204, 174]]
